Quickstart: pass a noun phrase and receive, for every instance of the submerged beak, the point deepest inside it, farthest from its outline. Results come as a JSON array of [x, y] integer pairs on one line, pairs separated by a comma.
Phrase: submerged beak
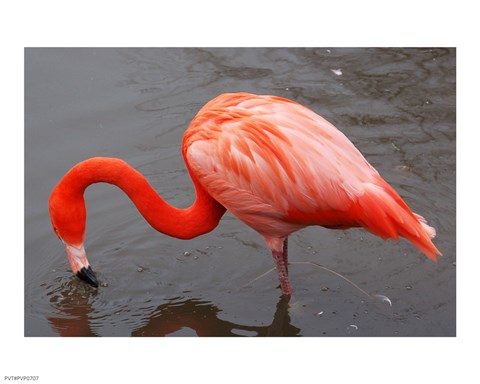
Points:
[[86, 274], [79, 263]]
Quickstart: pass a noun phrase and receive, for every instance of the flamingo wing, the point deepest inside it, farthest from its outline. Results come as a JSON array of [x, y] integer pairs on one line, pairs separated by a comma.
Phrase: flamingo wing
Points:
[[278, 166]]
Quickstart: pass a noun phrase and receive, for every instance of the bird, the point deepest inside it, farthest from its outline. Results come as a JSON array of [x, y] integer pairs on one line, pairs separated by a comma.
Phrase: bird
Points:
[[273, 163]]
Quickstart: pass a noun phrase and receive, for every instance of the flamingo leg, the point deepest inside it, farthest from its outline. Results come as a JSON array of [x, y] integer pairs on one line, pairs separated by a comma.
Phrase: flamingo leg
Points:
[[285, 253], [281, 263]]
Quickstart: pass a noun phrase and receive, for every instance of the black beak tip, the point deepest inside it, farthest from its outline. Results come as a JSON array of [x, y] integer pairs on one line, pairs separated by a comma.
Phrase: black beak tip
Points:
[[87, 275]]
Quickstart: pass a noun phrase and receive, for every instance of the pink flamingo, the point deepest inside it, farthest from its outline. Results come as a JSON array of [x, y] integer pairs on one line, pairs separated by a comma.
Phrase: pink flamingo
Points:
[[273, 163]]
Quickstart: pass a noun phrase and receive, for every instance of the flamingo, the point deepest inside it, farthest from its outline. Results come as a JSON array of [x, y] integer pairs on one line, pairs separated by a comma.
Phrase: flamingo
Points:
[[275, 164]]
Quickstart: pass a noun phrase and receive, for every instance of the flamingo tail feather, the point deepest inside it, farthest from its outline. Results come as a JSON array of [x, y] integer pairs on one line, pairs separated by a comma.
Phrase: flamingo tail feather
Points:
[[385, 214]]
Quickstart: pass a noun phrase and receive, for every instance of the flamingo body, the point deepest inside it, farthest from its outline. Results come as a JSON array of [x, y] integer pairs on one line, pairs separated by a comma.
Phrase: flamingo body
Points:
[[279, 167], [273, 163]]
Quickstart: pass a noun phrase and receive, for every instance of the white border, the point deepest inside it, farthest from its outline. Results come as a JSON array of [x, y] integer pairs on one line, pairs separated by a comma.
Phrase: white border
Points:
[[246, 23]]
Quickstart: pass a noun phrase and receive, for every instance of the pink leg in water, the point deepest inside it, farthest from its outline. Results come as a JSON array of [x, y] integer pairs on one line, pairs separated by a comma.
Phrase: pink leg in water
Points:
[[281, 263]]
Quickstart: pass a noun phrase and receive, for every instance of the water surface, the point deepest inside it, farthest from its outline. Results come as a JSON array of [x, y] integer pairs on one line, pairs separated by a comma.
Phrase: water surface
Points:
[[396, 105]]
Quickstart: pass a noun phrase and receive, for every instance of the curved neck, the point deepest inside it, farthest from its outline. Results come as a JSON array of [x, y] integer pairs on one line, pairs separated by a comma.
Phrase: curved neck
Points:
[[202, 217]]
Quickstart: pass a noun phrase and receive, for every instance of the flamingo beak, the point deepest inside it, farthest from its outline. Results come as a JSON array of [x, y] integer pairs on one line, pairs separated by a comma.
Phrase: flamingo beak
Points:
[[87, 274], [80, 265]]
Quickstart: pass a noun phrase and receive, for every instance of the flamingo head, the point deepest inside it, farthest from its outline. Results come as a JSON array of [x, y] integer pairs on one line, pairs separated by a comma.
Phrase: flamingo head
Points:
[[68, 216]]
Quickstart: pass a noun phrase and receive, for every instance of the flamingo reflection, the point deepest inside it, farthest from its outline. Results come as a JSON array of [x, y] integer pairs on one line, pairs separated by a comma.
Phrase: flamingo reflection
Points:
[[75, 317]]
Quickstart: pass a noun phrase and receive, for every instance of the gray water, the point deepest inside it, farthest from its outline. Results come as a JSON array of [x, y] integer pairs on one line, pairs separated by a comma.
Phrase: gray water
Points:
[[396, 105]]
